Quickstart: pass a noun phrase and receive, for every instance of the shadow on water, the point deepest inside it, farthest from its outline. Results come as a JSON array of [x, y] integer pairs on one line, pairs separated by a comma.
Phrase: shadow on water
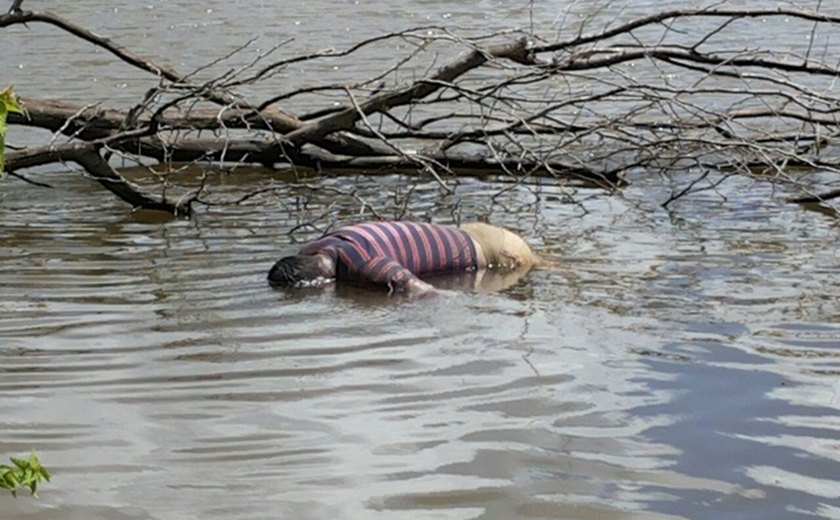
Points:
[[451, 285]]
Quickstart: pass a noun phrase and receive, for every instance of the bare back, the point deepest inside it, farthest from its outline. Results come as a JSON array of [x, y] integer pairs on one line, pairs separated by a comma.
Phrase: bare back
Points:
[[502, 248]]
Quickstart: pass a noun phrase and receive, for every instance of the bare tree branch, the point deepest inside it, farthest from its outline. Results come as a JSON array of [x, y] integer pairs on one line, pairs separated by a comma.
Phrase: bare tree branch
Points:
[[658, 95]]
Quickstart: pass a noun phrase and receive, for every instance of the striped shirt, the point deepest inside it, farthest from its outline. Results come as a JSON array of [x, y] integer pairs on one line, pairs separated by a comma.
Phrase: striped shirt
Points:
[[392, 253]]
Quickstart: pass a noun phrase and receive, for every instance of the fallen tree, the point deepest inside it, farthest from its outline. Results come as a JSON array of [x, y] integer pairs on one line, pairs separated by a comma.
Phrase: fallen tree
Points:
[[664, 94]]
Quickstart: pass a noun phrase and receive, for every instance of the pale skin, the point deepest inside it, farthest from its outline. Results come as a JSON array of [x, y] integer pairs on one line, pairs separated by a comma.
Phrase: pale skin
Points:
[[496, 248], [499, 248]]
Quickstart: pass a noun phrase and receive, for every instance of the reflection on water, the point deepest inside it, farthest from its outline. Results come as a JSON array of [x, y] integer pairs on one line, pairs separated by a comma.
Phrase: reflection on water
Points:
[[682, 365], [662, 370]]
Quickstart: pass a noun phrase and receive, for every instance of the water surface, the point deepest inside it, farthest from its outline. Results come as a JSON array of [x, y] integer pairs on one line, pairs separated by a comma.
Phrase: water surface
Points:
[[678, 365]]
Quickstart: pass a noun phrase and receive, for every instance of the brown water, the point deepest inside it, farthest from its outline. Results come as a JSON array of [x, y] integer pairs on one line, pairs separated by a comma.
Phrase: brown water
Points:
[[682, 365]]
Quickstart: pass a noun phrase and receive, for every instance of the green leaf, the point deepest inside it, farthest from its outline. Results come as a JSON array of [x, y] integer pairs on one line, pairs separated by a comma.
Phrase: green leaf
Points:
[[11, 480], [3, 145], [9, 102], [26, 473]]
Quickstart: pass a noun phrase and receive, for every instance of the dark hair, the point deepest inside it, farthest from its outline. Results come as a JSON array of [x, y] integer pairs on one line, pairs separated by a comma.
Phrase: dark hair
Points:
[[291, 270]]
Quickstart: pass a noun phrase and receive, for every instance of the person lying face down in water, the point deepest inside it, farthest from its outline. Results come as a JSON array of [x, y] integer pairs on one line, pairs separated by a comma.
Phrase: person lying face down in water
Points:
[[392, 254]]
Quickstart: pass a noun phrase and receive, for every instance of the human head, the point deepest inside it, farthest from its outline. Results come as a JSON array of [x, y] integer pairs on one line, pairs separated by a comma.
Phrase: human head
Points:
[[293, 270]]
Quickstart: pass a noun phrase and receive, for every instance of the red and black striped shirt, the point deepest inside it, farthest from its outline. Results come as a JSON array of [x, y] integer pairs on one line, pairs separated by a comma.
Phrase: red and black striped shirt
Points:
[[393, 252]]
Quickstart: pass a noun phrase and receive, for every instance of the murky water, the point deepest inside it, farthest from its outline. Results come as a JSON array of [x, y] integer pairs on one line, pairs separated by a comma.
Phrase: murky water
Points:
[[682, 365]]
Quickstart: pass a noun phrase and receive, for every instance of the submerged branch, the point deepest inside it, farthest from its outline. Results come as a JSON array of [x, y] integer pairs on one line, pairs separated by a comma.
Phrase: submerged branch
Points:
[[89, 157]]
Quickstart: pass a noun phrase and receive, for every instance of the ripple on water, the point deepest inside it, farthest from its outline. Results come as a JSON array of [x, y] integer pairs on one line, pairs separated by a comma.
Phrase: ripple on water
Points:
[[663, 371]]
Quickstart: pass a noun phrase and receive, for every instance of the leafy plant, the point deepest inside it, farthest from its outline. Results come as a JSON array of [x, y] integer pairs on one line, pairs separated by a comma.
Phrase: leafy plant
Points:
[[24, 473], [8, 103]]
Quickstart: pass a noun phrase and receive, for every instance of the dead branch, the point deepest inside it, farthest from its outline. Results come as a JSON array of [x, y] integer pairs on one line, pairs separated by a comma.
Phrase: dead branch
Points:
[[17, 16], [654, 95], [89, 157]]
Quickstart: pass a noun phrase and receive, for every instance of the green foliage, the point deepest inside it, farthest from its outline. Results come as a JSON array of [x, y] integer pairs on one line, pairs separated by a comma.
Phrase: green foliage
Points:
[[24, 473], [8, 103]]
